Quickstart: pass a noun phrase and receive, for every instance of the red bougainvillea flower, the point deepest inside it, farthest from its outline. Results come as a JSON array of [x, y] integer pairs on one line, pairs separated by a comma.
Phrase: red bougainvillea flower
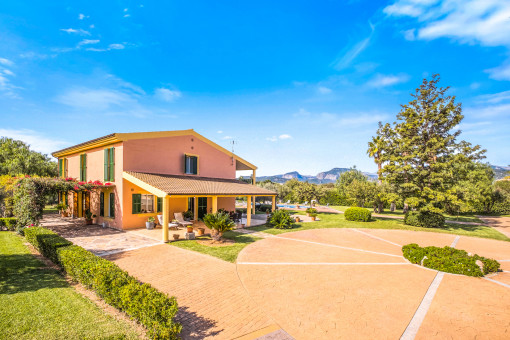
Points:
[[76, 187], [108, 183], [81, 183]]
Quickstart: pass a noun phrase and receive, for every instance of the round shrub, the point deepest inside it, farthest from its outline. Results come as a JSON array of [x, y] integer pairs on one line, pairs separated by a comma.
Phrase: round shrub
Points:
[[311, 211], [426, 219], [280, 219], [357, 214]]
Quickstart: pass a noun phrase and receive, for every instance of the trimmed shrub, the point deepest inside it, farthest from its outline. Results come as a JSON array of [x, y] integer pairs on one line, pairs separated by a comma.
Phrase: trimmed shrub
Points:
[[425, 219], [280, 219], [150, 307], [46, 241], [449, 260], [357, 214], [8, 222], [311, 211]]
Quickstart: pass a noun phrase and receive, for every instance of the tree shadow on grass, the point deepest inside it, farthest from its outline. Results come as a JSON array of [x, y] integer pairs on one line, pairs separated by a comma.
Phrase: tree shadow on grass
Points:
[[23, 273], [195, 326]]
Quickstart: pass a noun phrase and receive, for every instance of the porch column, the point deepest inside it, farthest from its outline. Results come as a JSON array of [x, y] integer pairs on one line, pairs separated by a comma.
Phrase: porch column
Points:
[[214, 204], [166, 217], [273, 198], [253, 208], [248, 212], [195, 209], [254, 178]]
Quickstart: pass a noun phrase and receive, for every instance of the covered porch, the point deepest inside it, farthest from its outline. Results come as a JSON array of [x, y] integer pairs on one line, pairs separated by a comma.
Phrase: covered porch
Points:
[[201, 195]]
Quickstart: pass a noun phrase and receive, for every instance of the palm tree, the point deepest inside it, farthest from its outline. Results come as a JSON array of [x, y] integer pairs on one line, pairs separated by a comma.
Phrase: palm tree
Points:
[[375, 151]]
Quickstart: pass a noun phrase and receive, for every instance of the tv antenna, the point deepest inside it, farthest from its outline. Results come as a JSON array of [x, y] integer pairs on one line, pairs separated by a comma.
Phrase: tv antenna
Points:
[[233, 143]]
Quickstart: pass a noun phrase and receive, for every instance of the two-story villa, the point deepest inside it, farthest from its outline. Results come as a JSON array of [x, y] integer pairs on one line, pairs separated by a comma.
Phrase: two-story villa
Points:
[[150, 173]]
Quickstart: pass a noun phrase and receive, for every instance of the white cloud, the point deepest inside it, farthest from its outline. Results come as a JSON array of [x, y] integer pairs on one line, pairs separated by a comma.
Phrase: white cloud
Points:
[[490, 105], [88, 42], [410, 34], [167, 95], [82, 16], [78, 31], [348, 55], [116, 47], [127, 15], [280, 137], [324, 90], [220, 131], [94, 99], [227, 137], [36, 141], [494, 98], [126, 9], [501, 72], [474, 86], [384, 80], [6, 62], [481, 21]]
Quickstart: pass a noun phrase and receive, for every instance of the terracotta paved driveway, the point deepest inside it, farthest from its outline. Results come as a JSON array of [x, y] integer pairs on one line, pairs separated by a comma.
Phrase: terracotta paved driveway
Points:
[[354, 284]]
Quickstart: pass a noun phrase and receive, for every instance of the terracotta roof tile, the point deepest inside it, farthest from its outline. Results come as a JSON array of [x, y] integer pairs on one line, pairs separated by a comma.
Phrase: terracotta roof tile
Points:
[[191, 185]]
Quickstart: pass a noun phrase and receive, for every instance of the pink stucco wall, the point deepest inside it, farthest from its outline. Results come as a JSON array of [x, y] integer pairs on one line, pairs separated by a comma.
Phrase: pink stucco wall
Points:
[[166, 156], [95, 171]]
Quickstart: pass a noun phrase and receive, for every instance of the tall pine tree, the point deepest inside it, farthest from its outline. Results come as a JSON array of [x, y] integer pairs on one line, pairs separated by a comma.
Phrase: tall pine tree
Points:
[[419, 152]]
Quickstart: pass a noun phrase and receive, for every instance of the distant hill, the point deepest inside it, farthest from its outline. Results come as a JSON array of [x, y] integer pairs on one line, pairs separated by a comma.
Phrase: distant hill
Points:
[[322, 177], [332, 175], [501, 171]]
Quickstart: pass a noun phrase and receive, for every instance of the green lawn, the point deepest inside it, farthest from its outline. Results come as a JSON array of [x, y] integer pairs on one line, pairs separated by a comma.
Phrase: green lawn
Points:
[[37, 302], [50, 209], [227, 253], [338, 221], [398, 212]]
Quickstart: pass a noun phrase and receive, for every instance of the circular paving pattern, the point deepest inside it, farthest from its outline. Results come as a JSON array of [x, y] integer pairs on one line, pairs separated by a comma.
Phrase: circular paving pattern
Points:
[[355, 284]]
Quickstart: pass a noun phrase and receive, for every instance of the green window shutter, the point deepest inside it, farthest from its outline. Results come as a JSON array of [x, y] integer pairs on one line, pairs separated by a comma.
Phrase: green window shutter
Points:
[[60, 168], [105, 165], [194, 168], [112, 164], [160, 204], [81, 168], [185, 164], [137, 203], [84, 167], [112, 204], [101, 204]]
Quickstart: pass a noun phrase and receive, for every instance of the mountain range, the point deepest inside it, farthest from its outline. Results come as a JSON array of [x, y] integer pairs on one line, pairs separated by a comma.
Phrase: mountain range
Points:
[[332, 175]]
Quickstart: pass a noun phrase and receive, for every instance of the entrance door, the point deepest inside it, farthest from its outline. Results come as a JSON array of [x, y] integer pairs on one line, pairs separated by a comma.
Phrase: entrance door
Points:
[[202, 207]]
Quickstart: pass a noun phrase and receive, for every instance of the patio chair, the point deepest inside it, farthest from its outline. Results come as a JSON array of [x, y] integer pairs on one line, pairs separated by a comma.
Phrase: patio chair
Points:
[[170, 224], [181, 221]]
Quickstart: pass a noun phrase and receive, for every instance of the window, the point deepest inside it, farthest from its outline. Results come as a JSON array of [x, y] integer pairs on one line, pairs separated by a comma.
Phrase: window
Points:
[[143, 203], [101, 204], [112, 205], [160, 204], [83, 167], [109, 165], [62, 167], [190, 165]]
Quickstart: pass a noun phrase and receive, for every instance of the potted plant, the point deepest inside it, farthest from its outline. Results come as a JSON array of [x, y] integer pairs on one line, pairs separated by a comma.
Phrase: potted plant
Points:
[[201, 231], [62, 208], [297, 218], [268, 211], [150, 224], [88, 217], [176, 236], [313, 216], [218, 223], [188, 215], [311, 211], [189, 228]]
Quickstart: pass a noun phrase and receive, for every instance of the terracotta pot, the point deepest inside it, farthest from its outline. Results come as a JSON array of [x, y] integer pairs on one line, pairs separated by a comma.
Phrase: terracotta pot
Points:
[[313, 218], [176, 236], [190, 229], [201, 231], [64, 214], [297, 219]]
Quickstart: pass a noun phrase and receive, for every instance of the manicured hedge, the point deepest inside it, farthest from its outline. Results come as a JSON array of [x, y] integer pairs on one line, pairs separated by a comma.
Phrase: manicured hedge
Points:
[[426, 219], [150, 307], [449, 260], [8, 222], [46, 241], [357, 214]]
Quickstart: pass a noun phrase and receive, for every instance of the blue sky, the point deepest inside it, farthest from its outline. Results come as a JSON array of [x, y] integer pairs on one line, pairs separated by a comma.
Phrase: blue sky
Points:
[[298, 85]]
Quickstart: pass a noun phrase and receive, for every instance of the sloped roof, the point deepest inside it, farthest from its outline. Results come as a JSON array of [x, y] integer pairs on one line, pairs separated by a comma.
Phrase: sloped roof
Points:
[[112, 138], [191, 185]]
